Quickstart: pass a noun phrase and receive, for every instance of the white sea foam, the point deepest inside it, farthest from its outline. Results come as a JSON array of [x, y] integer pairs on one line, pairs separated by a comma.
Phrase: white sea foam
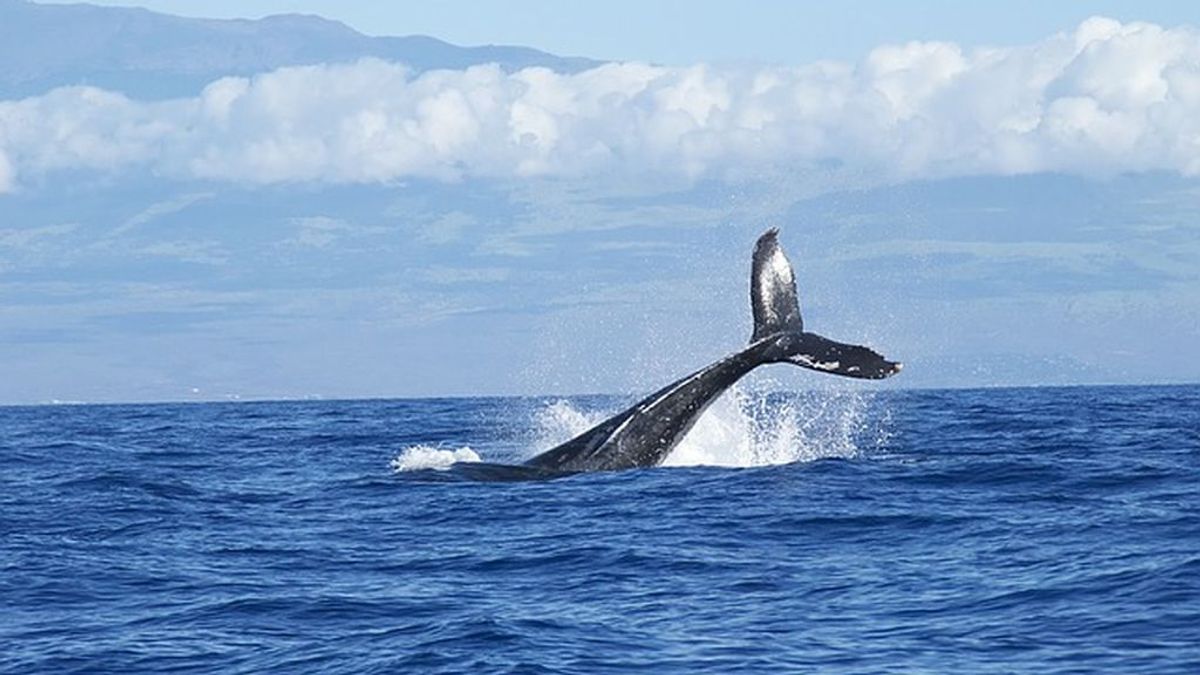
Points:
[[420, 457], [745, 428]]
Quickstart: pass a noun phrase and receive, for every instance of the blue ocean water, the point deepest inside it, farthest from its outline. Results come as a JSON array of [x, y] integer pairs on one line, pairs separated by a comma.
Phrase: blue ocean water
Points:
[[1029, 530]]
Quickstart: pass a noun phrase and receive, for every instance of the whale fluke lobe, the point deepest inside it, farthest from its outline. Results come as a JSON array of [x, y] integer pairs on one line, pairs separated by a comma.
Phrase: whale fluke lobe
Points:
[[822, 354], [645, 434], [773, 289]]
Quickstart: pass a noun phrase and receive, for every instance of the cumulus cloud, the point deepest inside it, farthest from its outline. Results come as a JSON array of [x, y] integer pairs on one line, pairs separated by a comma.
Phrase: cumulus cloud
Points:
[[1105, 98]]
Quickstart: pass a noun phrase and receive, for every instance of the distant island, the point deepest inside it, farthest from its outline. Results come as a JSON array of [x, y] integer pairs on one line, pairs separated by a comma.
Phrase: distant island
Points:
[[149, 55]]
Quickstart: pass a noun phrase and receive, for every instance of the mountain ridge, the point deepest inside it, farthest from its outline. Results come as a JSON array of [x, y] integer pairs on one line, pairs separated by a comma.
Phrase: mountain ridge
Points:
[[151, 55]]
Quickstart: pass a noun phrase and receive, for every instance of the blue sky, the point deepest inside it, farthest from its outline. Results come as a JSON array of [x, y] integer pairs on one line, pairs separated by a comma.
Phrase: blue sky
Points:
[[1022, 212], [681, 32]]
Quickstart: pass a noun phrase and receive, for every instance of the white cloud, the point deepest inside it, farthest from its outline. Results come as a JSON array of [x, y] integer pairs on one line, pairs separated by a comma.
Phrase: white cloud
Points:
[[32, 238], [199, 252], [1105, 98], [321, 231], [6, 173], [160, 209], [464, 275]]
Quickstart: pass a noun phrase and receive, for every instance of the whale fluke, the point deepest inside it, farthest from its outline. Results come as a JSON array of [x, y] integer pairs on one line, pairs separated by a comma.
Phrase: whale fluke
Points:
[[645, 434]]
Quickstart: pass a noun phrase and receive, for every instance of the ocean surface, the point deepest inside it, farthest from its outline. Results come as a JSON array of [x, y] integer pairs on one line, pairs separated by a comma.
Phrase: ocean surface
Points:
[[1000, 530]]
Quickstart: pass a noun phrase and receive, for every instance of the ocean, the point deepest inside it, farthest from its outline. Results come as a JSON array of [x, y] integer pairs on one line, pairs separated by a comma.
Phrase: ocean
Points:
[[992, 530]]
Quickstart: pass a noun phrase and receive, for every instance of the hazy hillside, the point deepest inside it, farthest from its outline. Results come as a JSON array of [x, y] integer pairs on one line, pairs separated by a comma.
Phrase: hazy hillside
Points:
[[152, 55]]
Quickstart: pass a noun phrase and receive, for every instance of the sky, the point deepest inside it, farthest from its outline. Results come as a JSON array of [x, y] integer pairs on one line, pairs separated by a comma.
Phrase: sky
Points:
[[1000, 202], [680, 32]]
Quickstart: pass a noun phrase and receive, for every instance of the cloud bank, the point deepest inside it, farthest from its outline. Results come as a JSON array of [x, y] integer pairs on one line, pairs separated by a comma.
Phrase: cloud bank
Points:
[[1105, 98]]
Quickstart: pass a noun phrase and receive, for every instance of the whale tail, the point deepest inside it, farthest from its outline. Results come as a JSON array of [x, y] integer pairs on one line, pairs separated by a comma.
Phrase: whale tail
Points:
[[779, 326]]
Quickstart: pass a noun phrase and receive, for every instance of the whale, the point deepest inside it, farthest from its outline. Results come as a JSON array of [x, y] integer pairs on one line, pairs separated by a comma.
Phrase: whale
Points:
[[644, 434]]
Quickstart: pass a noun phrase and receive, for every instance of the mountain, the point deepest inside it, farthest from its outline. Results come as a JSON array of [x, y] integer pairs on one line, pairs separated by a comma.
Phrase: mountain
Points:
[[146, 54]]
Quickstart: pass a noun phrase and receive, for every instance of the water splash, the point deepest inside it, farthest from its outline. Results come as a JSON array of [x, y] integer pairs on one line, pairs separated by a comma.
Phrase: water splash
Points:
[[560, 421], [419, 457], [748, 428], [744, 429]]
